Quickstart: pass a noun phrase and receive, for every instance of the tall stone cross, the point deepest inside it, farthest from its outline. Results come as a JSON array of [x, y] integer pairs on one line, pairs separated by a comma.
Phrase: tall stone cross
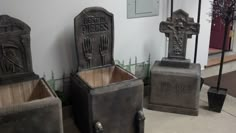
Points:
[[179, 28]]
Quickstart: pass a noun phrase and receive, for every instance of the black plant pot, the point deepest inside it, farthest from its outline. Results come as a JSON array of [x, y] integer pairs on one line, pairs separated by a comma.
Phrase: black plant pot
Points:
[[216, 98]]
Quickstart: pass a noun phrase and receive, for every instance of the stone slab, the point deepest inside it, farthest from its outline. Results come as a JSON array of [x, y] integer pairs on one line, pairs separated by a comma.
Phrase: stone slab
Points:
[[184, 63], [170, 109]]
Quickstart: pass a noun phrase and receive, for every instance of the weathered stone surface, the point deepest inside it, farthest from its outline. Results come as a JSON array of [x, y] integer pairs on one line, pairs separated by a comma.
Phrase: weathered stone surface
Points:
[[175, 89], [175, 82], [105, 97], [175, 63], [42, 116], [15, 54], [179, 28], [27, 104], [94, 30]]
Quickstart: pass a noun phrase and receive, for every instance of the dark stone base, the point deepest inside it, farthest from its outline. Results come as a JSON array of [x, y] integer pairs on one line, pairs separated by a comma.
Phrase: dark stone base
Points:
[[175, 89], [172, 109], [216, 98], [117, 107], [185, 63]]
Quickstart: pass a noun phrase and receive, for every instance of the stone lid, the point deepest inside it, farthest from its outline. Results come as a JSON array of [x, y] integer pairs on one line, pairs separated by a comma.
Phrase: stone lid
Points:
[[15, 54], [94, 38]]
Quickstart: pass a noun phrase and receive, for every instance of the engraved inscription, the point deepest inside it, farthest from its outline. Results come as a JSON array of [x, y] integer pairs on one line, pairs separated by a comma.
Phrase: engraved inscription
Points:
[[168, 88], [9, 28], [94, 33], [94, 24], [165, 88]]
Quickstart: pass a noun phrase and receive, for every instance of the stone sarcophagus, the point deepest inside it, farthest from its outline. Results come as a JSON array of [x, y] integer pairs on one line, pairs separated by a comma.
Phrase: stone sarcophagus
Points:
[[27, 104], [105, 97], [175, 82]]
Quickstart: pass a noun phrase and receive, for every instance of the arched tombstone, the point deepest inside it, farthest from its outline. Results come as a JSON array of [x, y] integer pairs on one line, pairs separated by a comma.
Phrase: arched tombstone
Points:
[[15, 53], [175, 82], [27, 103], [105, 97]]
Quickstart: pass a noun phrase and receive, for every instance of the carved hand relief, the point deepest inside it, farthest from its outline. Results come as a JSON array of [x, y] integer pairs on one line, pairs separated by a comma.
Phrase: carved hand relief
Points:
[[178, 29], [10, 61], [94, 37], [104, 48], [88, 50]]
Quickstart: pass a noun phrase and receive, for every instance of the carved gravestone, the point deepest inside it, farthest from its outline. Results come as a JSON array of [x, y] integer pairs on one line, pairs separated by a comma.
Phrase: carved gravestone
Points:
[[27, 103], [175, 82], [105, 97], [15, 55]]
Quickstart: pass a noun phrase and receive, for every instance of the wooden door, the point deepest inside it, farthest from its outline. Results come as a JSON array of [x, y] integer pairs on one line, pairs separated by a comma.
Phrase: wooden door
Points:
[[217, 34]]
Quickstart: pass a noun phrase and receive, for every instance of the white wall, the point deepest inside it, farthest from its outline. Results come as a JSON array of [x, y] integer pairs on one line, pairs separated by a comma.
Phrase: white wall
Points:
[[52, 36]]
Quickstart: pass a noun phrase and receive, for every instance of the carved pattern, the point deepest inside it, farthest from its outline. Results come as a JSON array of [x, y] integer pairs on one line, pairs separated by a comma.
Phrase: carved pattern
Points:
[[178, 29], [87, 49], [97, 24], [104, 48], [10, 62], [15, 55], [98, 127]]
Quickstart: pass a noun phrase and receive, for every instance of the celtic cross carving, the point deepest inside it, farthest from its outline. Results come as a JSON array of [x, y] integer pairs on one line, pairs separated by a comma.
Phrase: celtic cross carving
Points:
[[179, 28]]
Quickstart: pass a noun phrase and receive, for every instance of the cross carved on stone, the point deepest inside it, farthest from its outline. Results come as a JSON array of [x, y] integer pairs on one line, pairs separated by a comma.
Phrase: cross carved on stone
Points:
[[179, 28]]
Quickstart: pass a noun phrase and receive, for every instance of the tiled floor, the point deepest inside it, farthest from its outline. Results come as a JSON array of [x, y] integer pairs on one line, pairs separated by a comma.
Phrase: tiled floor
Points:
[[206, 122]]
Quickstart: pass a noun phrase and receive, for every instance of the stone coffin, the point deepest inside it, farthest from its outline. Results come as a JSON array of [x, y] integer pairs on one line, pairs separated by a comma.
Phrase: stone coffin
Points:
[[175, 89], [27, 103], [29, 107], [105, 97]]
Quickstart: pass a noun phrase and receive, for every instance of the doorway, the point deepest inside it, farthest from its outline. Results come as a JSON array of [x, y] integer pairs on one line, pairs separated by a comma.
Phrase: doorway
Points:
[[217, 35], [216, 42]]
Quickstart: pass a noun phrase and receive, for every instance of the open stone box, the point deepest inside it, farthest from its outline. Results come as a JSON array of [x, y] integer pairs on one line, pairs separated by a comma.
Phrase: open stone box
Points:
[[27, 104], [105, 97]]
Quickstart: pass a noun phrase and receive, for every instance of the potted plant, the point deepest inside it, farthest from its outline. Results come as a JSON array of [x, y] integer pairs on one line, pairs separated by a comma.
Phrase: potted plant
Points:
[[223, 9]]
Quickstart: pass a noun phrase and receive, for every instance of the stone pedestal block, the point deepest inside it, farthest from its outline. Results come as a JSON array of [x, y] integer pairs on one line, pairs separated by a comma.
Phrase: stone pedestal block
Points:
[[175, 89]]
